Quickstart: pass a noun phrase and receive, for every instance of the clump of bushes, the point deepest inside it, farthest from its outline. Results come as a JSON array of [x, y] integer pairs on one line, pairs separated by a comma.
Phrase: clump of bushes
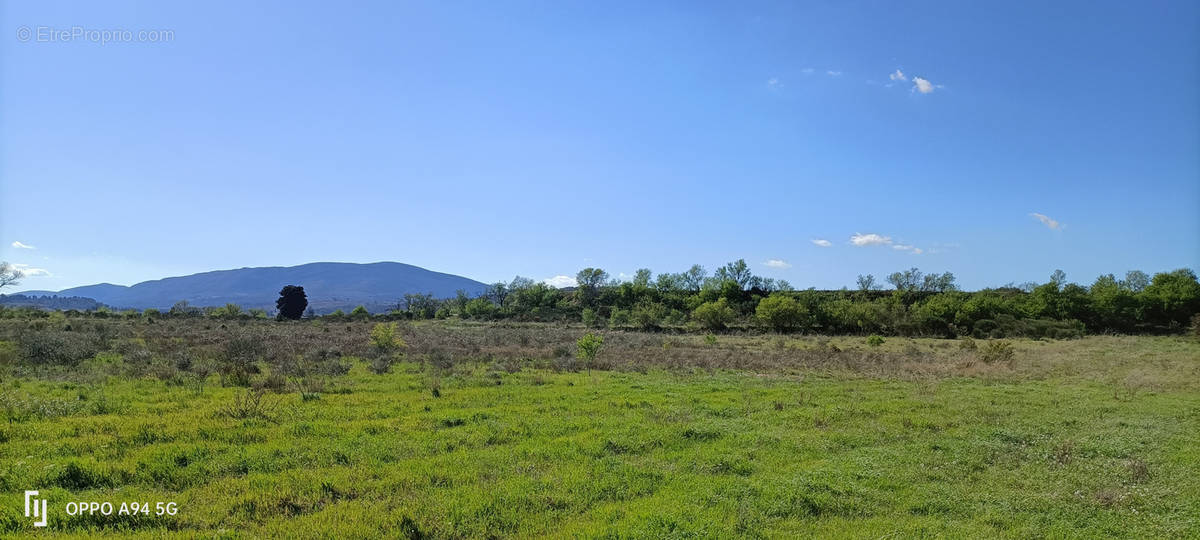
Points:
[[874, 340], [47, 347], [239, 359], [386, 344], [996, 351], [715, 315], [780, 313]]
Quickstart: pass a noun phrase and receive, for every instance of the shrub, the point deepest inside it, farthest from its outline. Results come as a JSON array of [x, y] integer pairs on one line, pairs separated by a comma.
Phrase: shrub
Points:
[[967, 344], [587, 347], [647, 315], [360, 313], [384, 338], [714, 315], [589, 317], [996, 351], [710, 339], [780, 313], [380, 364], [618, 317], [249, 404], [480, 308], [240, 359], [874, 340], [56, 348]]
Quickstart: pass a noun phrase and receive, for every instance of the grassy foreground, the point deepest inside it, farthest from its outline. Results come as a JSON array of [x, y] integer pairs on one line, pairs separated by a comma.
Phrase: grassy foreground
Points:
[[1085, 438]]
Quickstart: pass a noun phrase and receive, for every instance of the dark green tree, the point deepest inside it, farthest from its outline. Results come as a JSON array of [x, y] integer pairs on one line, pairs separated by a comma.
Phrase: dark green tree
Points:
[[292, 302]]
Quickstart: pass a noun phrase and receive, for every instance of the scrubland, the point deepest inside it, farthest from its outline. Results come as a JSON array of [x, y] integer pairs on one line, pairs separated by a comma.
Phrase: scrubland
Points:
[[453, 429]]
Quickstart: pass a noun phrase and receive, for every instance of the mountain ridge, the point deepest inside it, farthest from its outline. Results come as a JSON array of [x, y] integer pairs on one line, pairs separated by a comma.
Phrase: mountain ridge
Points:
[[329, 285]]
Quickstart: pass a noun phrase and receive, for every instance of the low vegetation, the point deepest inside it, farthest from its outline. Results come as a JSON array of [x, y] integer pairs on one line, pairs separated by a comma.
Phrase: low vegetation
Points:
[[263, 428]]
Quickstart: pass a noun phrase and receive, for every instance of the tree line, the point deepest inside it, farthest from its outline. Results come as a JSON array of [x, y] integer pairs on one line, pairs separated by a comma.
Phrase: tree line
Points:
[[732, 297]]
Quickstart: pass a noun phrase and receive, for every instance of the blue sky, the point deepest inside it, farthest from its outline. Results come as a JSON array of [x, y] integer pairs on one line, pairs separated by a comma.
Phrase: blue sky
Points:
[[491, 139]]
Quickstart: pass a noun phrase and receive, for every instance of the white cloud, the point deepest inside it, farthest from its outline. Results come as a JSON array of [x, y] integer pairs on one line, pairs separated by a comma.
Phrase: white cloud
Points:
[[1047, 221], [871, 239], [822, 242], [833, 73], [774, 84], [30, 271], [921, 85], [559, 282], [898, 76], [19, 245], [776, 263], [807, 71], [909, 248]]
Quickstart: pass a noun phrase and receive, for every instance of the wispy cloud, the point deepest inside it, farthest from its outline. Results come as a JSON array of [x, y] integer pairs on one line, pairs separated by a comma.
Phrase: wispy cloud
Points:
[[20, 245], [1048, 221], [898, 76], [559, 282], [922, 85], [776, 263], [909, 248], [30, 271], [774, 83], [807, 71], [870, 239], [822, 242], [833, 73]]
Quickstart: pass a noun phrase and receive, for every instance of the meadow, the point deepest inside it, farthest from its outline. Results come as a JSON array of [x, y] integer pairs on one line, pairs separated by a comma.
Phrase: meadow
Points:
[[474, 430]]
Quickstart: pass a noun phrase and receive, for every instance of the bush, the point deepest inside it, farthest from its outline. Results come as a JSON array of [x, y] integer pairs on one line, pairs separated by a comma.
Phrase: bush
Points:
[[996, 351], [56, 348], [874, 340], [380, 364], [710, 339], [781, 313], [618, 317], [360, 313], [384, 338], [587, 347], [647, 315], [480, 308], [714, 315], [240, 358], [249, 404]]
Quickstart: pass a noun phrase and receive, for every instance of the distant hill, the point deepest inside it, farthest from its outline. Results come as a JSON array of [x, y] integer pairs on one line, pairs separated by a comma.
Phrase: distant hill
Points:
[[329, 286], [51, 301]]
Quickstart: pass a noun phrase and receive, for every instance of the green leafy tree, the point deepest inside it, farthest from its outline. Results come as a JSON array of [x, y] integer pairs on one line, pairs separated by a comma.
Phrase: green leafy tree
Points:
[[693, 278], [1172, 298], [481, 308], [589, 281], [781, 313], [360, 313], [714, 315], [738, 272]]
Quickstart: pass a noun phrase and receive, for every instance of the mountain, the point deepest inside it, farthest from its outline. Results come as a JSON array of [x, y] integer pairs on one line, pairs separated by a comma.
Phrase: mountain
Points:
[[329, 286]]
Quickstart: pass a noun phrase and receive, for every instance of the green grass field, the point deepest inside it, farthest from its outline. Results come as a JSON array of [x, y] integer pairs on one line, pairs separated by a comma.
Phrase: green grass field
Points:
[[1097, 437]]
